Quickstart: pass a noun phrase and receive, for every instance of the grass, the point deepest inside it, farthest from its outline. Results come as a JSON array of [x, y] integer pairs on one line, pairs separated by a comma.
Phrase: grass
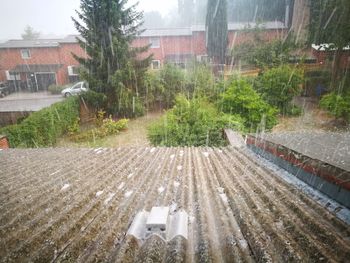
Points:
[[135, 135]]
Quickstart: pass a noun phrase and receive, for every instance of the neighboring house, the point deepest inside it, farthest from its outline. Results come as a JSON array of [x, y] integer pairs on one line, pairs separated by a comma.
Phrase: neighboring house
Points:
[[180, 45], [36, 64], [325, 53]]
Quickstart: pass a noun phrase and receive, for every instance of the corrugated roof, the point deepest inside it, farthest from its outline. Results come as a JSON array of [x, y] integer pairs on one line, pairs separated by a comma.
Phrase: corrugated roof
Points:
[[30, 43], [76, 205], [167, 32], [187, 31]]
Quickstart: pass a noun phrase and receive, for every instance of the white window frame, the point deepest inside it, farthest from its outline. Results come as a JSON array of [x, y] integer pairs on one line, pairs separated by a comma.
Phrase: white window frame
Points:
[[25, 50], [71, 71], [155, 60], [155, 42], [12, 76]]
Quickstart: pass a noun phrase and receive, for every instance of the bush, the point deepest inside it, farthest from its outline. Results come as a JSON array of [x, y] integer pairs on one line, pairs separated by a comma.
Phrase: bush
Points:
[[193, 122], [200, 81], [173, 80], [240, 98], [108, 127], [55, 89], [278, 86], [42, 128], [94, 99], [337, 105]]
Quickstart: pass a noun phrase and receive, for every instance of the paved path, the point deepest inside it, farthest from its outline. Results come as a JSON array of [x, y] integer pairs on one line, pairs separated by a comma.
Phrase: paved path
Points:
[[28, 101]]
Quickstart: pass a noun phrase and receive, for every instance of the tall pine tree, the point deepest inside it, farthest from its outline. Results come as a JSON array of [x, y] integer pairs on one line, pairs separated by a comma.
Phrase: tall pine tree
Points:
[[216, 30], [112, 66]]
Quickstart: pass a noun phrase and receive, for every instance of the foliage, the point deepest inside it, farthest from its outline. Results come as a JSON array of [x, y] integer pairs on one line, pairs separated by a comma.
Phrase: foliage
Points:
[[216, 30], [113, 127], [108, 127], [192, 122], [240, 98], [112, 67], [74, 127], [42, 128], [154, 89], [162, 86], [30, 34], [200, 81], [329, 23], [173, 80], [263, 53], [55, 89], [337, 105], [280, 85], [94, 99]]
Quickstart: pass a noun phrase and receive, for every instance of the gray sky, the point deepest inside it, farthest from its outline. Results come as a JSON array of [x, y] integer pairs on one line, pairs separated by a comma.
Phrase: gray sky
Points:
[[53, 17]]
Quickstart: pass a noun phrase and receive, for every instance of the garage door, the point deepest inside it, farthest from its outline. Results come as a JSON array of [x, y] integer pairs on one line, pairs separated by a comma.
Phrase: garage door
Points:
[[44, 80]]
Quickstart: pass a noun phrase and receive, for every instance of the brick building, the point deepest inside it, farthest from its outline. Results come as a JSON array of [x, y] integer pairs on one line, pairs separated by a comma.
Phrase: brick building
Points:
[[36, 64]]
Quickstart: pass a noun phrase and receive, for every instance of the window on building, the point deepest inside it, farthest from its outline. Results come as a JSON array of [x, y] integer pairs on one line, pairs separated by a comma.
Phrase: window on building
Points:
[[25, 53], [155, 42], [155, 64], [73, 70], [12, 76]]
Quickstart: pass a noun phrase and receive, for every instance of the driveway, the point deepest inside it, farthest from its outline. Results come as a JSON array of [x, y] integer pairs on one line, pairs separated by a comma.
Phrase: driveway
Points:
[[28, 101]]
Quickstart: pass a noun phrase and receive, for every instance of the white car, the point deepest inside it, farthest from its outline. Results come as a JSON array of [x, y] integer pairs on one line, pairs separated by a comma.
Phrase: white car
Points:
[[76, 89]]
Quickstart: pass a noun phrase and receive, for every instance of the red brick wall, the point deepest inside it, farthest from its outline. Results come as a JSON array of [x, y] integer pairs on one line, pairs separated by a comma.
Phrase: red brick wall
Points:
[[4, 144], [323, 56], [194, 45], [9, 58]]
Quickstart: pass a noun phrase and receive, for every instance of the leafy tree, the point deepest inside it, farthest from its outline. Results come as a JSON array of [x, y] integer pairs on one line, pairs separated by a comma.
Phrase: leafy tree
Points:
[[263, 53], [30, 34], [112, 66], [280, 85], [240, 98], [329, 23], [216, 30]]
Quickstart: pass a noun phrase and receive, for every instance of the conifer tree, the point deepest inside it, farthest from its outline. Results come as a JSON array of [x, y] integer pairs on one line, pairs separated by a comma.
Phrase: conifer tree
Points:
[[112, 66], [216, 30]]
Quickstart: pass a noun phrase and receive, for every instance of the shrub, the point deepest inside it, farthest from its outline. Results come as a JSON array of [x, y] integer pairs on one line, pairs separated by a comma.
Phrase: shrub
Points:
[[94, 99], [193, 122], [240, 98], [42, 128], [280, 85], [200, 81], [337, 105], [173, 80], [55, 89], [108, 127]]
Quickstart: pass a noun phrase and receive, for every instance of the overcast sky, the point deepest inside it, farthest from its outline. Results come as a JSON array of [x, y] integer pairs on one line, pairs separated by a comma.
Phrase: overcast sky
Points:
[[53, 17]]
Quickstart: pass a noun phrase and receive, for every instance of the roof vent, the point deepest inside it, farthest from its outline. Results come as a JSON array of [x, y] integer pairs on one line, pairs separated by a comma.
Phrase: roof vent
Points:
[[159, 222]]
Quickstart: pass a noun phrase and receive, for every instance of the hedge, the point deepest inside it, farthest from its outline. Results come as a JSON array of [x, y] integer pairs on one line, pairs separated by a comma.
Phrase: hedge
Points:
[[42, 128]]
